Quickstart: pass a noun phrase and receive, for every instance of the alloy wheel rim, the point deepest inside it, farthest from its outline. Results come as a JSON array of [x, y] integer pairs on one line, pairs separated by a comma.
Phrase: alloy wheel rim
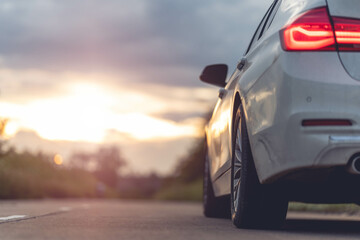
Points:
[[237, 169]]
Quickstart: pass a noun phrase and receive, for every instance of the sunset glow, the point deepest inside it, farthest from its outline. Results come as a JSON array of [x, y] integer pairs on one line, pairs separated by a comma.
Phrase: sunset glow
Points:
[[86, 112], [10, 129], [78, 75]]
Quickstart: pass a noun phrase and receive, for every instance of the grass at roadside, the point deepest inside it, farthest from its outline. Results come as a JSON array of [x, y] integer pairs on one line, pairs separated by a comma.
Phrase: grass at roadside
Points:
[[324, 208], [181, 191]]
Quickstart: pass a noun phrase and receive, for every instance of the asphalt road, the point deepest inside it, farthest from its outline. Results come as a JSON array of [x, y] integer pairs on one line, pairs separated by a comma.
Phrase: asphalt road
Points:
[[74, 219]]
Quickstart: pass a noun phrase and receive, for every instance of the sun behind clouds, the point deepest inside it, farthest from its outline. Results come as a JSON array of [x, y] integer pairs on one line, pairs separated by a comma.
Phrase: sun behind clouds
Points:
[[86, 113]]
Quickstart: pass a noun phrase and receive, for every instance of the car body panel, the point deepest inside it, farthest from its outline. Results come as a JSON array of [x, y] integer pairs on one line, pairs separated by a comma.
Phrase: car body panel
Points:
[[279, 143], [278, 90], [347, 9], [344, 8], [218, 131], [292, 8], [350, 60]]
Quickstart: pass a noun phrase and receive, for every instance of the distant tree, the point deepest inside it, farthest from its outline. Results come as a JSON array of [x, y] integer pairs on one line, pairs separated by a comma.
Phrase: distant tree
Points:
[[190, 167], [81, 160], [109, 161], [105, 163]]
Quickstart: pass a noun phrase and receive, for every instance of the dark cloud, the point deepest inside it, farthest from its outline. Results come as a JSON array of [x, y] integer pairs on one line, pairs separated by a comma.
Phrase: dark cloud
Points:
[[166, 42]]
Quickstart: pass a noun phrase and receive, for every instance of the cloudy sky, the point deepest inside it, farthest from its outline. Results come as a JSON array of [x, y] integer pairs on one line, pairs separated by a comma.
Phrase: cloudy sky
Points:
[[75, 74]]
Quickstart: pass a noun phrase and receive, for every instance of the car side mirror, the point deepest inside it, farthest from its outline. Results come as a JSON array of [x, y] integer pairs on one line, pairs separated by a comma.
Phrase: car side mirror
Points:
[[215, 74]]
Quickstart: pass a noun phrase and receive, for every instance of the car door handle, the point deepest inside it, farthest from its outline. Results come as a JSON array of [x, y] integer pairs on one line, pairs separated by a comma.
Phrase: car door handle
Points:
[[242, 63], [222, 93]]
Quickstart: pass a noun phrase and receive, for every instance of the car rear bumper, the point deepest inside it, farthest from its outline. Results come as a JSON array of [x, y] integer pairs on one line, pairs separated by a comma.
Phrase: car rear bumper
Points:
[[302, 86]]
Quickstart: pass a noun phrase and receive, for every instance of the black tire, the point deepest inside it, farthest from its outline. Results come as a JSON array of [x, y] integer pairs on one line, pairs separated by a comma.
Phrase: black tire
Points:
[[258, 206], [214, 207]]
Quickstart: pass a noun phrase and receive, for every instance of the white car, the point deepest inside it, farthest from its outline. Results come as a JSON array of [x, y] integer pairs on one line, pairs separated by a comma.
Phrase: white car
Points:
[[286, 126]]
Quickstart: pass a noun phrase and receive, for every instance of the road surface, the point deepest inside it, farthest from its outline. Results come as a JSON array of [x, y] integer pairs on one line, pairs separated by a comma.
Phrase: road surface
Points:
[[94, 219]]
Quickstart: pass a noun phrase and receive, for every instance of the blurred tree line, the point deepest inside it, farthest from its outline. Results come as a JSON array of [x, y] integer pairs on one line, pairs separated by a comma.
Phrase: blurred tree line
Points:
[[28, 175], [190, 167], [36, 175], [105, 164], [186, 181], [95, 174]]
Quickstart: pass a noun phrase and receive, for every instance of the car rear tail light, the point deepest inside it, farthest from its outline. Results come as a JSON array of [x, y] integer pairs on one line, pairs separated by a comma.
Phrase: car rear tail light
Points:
[[310, 31], [326, 122], [347, 32]]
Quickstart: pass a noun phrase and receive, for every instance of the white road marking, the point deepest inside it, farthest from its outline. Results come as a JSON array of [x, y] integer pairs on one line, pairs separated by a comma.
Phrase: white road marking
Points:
[[12, 217]]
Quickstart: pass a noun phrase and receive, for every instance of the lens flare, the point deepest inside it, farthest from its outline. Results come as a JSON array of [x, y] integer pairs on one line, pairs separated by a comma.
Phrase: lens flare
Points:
[[58, 160]]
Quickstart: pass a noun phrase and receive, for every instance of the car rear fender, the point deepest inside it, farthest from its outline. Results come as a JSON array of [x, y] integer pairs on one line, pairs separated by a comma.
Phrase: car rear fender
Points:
[[347, 9]]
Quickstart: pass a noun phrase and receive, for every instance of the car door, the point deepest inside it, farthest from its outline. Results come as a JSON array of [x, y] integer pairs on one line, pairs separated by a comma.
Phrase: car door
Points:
[[225, 114], [260, 55], [219, 129], [226, 100], [213, 138]]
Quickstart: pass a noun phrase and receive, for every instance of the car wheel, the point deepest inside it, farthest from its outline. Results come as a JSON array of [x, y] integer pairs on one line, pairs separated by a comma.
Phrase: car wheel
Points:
[[214, 207], [253, 205]]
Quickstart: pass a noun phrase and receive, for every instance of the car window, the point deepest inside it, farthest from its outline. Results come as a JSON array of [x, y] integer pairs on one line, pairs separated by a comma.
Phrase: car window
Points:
[[270, 11], [272, 15], [259, 30]]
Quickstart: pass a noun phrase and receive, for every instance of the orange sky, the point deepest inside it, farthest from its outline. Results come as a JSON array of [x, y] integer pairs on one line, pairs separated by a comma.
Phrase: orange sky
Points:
[[86, 110], [77, 74], [89, 110]]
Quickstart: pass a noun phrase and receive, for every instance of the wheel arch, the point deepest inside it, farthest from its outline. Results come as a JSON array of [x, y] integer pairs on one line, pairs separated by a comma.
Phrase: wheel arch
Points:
[[236, 105], [238, 100]]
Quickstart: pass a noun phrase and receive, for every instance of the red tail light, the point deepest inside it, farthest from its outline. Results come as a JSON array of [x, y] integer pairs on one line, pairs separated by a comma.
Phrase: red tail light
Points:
[[347, 32], [310, 31]]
